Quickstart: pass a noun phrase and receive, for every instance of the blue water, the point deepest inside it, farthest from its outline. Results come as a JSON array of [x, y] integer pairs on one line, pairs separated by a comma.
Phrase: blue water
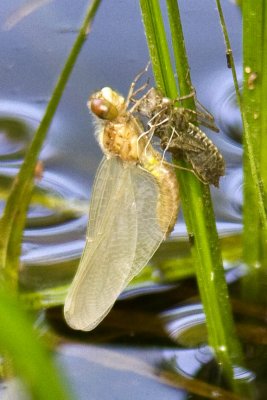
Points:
[[32, 54]]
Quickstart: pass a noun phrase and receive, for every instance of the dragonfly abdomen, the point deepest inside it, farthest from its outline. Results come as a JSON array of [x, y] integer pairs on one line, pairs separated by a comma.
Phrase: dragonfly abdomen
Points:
[[169, 196]]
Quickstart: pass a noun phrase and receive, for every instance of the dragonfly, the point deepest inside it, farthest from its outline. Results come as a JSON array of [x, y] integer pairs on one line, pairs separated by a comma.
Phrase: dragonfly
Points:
[[133, 208], [180, 136]]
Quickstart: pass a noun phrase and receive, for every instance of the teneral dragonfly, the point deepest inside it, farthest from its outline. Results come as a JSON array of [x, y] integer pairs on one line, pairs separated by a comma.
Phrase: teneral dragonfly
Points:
[[133, 208]]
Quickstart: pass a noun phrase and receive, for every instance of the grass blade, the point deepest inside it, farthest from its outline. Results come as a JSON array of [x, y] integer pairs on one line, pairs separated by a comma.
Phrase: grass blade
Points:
[[197, 207], [29, 359]]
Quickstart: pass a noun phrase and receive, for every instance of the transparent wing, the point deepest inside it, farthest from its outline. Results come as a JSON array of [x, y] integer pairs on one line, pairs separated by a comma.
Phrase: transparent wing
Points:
[[109, 249], [150, 234], [107, 183], [123, 234]]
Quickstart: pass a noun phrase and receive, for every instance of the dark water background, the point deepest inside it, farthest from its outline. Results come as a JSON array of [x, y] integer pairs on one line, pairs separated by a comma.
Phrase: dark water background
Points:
[[121, 364]]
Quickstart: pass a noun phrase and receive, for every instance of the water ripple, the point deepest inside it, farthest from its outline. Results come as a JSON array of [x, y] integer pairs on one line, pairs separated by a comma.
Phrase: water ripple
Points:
[[55, 229], [18, 122]]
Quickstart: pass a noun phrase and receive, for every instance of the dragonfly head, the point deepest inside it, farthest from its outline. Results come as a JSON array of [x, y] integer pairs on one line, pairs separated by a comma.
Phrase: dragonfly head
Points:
[[106, 104]]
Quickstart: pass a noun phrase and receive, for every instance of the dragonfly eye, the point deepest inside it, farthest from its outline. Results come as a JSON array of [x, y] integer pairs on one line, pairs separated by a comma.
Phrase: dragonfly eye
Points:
[[103, 109]]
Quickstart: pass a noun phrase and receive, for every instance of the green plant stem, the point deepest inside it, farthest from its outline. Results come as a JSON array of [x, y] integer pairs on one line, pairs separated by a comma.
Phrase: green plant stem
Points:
[[255, 175], [255, 114], [180, 57], [229, 51], [30, 360], [12, 220], [263, 87], [14, 244], [252, 99], [197, 208], [263, 136], [158, 47]]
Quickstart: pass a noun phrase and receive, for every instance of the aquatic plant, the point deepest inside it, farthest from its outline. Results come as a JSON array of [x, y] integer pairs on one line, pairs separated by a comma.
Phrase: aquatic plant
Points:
[[197, 206]]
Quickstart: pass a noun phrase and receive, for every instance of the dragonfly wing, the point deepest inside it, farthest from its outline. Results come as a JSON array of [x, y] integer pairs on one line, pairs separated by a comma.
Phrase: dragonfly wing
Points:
[[149, 228], [124, 231], [109, 251], [104, 190]]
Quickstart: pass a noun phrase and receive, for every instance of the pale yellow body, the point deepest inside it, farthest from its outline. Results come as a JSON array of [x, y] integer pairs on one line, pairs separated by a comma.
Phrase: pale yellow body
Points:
[[121, 137]]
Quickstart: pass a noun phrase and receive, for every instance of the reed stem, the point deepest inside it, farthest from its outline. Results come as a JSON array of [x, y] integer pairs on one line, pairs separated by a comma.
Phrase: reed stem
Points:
[[196, 202]]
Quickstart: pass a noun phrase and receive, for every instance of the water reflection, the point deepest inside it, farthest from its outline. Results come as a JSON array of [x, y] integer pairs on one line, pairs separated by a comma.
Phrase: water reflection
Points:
[[153, 330], [119, 366], [186, 325], [228, 201], [18, 122], [228, 114], [158, 350], [55, 229]]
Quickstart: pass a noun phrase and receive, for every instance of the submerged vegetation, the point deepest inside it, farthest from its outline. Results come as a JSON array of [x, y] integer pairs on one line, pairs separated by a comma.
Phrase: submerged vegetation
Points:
[[22, 351]]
